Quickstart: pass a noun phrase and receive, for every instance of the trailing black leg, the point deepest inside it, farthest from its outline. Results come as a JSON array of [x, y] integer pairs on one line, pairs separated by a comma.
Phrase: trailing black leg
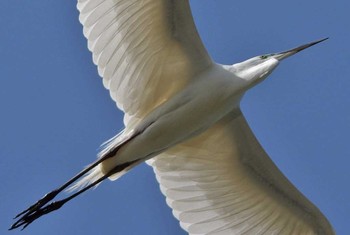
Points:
[[39, 209]]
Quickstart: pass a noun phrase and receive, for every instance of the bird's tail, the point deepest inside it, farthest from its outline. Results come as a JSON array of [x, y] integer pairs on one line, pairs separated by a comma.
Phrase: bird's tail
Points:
[[96, 173]]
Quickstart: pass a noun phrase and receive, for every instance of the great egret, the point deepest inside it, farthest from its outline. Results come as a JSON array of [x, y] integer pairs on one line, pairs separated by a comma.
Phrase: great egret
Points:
[[182, 115]]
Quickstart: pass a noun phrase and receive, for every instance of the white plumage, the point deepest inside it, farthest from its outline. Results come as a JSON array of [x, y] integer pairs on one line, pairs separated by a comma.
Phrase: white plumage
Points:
[[220, 181], [141, 59], [182, 115]]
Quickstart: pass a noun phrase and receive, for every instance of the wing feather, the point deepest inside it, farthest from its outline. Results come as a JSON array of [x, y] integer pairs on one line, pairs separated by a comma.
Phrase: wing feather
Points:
[[223, 182], [146, 51]]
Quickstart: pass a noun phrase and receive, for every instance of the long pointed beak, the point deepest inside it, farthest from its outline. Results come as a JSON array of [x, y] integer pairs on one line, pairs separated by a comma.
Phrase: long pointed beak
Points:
[[285, 54]]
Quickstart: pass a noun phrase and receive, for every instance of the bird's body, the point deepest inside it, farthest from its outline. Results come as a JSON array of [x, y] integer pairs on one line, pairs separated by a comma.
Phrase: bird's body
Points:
[[211, 95], [182, 114]]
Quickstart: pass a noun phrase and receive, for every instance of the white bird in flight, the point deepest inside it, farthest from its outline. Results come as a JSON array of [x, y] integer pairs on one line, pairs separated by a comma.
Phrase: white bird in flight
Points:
[[182, 114]]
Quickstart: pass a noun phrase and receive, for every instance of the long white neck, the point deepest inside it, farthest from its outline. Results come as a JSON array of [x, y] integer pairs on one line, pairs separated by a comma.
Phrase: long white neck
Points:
[[253, 70]]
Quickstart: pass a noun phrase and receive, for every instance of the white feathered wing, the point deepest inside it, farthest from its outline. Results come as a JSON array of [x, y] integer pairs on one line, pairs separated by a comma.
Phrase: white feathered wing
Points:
[[223, 182], [146, 51]]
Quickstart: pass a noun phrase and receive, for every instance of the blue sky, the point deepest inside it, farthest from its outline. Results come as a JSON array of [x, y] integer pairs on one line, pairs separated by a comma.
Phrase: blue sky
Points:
[[55, 112]]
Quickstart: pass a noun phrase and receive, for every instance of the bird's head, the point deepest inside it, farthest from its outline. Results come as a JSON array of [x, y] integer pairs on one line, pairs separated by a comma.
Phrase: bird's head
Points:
[[256, 69]]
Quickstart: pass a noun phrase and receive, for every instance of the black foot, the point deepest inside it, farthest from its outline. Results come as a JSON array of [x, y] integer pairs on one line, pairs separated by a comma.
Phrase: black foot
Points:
[[35, 211], [28, 218]]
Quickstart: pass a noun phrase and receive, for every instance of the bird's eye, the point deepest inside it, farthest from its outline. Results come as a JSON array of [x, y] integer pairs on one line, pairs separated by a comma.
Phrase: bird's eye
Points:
[[264, 57]]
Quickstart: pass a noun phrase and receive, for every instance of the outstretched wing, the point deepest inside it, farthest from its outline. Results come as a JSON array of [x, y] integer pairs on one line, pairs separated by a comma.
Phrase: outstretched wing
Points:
[[145, 50], [223, 182]]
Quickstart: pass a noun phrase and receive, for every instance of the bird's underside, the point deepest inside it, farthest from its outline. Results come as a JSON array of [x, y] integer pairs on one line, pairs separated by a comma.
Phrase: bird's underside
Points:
[[217, 179]]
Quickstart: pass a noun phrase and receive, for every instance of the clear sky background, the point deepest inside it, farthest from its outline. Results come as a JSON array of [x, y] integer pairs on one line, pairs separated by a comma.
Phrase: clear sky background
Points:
[[55, 112]]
